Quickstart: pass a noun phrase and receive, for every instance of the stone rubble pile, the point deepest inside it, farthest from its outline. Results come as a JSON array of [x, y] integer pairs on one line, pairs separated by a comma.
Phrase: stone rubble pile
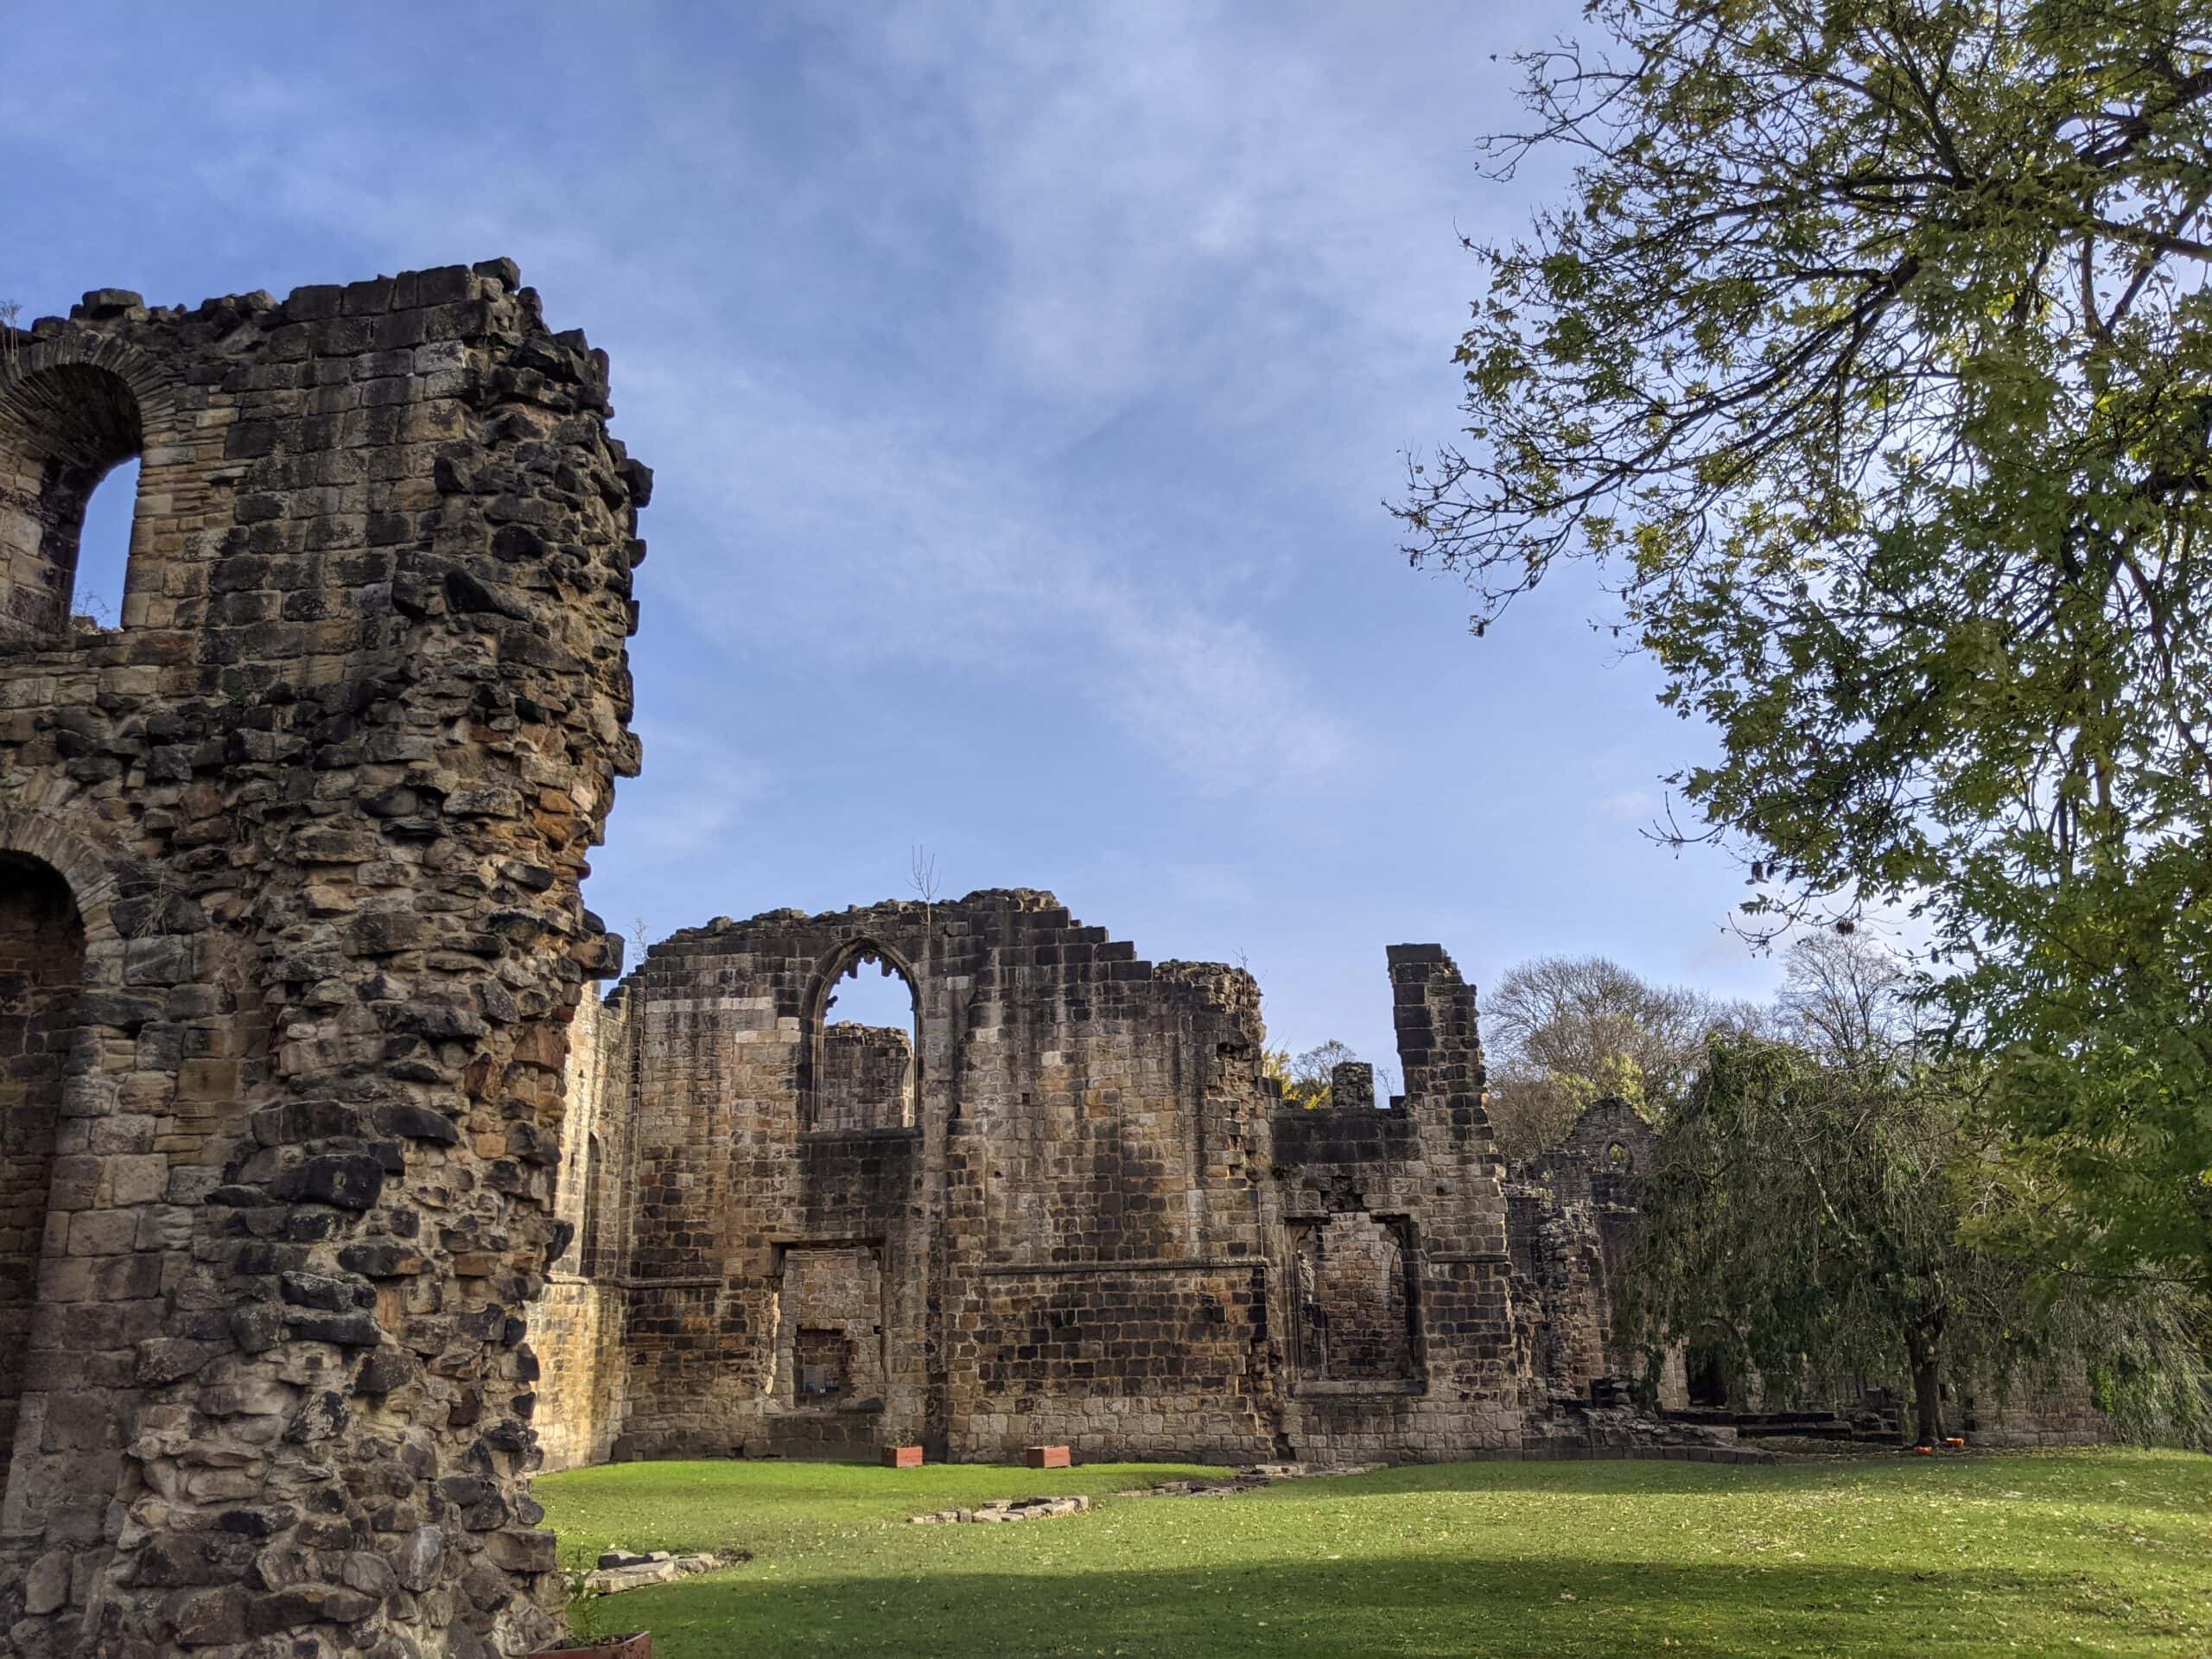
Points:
[[1005, 1509], [1250, 1479], [621, 1569]]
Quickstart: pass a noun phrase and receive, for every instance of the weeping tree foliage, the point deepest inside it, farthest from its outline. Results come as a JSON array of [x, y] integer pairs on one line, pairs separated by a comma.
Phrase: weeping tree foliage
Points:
[[1869, 356], [1808, 1214]]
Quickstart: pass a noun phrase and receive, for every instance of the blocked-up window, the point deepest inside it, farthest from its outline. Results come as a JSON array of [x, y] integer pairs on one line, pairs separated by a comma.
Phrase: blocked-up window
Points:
[[830, 1316], [1355, 1301], [63, 431], [822, 1360]]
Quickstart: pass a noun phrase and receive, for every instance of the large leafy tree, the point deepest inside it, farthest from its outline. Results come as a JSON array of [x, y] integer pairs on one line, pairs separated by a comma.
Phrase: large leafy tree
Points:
[[1870, 355], [1561, 1032]]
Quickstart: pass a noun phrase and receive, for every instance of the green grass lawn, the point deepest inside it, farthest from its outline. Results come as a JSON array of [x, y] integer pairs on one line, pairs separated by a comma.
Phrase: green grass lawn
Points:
[[2071, 1552]]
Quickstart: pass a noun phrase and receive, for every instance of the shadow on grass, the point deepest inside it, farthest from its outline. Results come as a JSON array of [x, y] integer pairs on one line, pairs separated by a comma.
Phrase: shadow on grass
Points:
[[1406, 1608]]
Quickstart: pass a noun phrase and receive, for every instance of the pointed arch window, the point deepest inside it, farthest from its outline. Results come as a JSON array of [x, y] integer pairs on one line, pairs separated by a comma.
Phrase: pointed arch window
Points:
[[862, 1050]]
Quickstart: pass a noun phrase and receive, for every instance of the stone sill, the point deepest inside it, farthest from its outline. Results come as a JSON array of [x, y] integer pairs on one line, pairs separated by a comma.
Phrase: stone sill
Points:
[[1334, 1390], [832, 1137]]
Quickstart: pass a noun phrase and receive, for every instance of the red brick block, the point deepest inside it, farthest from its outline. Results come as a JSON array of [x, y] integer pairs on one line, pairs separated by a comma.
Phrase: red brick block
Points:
[[1049, 1457], [637, 1645], [902, 1457]]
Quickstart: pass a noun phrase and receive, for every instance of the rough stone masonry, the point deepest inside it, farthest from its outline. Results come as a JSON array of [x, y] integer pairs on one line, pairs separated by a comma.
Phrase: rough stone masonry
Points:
[[291, 937], [1064, 1207]]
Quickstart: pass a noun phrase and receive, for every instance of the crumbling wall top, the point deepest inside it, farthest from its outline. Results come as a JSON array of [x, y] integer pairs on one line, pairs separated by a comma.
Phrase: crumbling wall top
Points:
[[324, 795]]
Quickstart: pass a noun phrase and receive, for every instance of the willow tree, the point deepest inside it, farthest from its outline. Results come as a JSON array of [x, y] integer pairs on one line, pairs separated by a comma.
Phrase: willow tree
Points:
[[1808, 1210], [1869, 356]]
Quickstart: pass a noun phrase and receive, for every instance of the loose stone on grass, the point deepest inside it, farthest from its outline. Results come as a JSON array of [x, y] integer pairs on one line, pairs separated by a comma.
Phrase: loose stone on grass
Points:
[[1006, 1509], [620, 1570]]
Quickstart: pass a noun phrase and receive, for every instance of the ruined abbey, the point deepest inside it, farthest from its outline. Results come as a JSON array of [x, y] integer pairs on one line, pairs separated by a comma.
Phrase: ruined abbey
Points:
[[1063, 1206], [336, 1200]]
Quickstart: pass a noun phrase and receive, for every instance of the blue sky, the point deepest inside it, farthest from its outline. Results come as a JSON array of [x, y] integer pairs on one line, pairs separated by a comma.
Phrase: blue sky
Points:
[[1023, 384]]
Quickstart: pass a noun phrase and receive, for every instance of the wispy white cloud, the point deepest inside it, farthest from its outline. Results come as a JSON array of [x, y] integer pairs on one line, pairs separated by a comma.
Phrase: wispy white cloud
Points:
[[701, 789], [877, 545], [1181, 196], [811, 523], [1632, 806], [1214, 698]]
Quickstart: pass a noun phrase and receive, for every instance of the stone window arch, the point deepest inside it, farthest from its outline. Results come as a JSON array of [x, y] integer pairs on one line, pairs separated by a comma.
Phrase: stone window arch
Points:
[[63, 427], [864, 1073]]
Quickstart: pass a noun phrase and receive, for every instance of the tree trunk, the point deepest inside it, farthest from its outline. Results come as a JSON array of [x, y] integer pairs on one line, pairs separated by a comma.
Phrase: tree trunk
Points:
[[1926, 1386]]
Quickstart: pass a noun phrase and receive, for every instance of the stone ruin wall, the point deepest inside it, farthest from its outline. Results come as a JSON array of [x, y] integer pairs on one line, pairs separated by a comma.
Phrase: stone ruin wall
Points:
[[2056, 1408], [1065, 1208], [290, 938], [1572, 1218], [1083, 1217]]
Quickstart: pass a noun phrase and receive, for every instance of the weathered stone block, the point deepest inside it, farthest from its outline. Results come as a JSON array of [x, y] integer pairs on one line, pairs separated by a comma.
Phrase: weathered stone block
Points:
[[46, 1586]]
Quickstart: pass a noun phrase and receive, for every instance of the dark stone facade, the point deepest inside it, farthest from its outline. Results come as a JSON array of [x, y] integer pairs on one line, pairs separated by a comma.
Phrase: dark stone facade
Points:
[[290, 939]]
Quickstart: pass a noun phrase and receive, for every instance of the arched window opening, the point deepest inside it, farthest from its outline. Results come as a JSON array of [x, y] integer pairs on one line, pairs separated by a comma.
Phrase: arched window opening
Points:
[[62, 431], [104, 548], [41, 967], [866, 1042], [1706, 1366]]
